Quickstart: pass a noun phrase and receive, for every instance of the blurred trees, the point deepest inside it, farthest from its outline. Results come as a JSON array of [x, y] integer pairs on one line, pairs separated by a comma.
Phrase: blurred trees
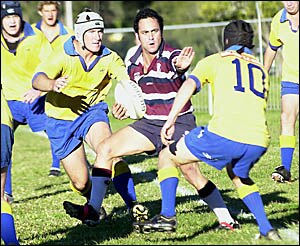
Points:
[[121, 13], [205, 41]]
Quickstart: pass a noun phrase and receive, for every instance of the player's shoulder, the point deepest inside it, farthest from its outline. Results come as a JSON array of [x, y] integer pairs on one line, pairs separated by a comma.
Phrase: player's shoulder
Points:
[[277, 17]]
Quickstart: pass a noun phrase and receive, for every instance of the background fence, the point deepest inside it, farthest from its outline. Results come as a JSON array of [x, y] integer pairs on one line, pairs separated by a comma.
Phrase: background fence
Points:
[[206, 39]]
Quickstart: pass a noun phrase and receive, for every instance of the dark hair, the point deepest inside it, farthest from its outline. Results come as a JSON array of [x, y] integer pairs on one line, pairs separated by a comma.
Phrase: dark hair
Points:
[[147, 13], [238, 32]]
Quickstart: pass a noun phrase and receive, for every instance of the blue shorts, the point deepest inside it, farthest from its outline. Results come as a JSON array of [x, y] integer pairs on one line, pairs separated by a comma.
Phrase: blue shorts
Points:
[[32, 114], [289, 88], [67, 135], [151, 129], [7, 141], [218, 152]]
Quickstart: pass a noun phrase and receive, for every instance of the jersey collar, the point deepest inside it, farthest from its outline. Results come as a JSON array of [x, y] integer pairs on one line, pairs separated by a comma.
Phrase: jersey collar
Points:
[[237, 47]]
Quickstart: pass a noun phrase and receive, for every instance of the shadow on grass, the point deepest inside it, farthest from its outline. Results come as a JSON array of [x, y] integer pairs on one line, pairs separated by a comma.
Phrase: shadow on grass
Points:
[[119, 224]]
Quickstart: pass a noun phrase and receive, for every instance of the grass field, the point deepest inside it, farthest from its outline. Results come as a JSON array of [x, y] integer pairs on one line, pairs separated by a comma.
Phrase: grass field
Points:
[[41, 220]]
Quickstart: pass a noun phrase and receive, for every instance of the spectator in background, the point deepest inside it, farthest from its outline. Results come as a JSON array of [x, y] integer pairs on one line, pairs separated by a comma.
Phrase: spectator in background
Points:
[[50, 25], [22, 49], [285, 34], [56, 33]]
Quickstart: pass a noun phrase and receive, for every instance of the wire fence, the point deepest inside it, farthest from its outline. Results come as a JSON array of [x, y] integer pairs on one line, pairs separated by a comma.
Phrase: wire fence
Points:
[[206, 39]]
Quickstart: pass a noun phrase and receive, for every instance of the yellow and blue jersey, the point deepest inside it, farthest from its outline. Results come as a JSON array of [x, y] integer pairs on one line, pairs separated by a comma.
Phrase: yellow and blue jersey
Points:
[[282, 35], [240, 89], [18, 66], [6, 117], [86, 86], [61, 36]]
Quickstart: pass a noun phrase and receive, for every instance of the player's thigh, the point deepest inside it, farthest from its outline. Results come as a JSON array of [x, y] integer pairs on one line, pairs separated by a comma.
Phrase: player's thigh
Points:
[[96, 134], [75, 166], [181, 154], [126, 141]]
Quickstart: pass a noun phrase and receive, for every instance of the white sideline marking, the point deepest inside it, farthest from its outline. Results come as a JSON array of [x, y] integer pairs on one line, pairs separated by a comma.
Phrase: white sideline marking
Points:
[[290, 234]]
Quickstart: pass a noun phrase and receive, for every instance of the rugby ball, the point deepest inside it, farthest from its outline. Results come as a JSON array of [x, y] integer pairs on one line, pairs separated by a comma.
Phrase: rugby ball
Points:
[[129, 94]]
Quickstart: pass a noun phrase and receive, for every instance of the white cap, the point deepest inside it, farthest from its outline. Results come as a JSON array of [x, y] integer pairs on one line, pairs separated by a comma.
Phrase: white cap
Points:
[[85, 21]]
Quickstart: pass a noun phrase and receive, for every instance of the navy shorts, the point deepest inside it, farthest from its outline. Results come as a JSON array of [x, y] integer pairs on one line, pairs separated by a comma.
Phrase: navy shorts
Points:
[[218, 151], [67, 135], [151, 129], [32, 114], [7, 141]]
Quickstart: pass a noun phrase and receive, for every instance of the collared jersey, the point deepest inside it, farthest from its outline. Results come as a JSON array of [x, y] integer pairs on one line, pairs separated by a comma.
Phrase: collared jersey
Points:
[[86, 85], [18, 66], [6, 117], [160, 83], [63, 34], [240, 89], [282, 35]]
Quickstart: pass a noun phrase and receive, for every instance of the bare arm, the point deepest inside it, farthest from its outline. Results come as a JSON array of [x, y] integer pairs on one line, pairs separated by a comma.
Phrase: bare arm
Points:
[[269, 57], [184, 94], [184, 59], [43, 83]]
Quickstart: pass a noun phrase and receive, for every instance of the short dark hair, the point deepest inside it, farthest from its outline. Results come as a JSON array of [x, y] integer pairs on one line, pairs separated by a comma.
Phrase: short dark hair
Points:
[[147, 13], [238, 32]]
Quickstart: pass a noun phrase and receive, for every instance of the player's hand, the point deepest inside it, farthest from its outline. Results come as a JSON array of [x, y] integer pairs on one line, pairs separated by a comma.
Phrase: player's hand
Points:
[[60, 83], [31, 95], [167, 132], [119, 111], [185, 58]]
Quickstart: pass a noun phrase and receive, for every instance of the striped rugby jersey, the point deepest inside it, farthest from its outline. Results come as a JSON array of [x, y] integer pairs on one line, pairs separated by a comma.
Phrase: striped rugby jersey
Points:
[[161, 82]]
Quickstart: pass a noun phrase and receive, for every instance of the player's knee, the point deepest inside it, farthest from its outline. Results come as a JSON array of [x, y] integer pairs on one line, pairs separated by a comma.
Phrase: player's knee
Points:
[[80, 187]]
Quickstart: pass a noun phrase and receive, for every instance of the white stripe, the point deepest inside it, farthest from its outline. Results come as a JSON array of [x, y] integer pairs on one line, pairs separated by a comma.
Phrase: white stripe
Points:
[[161, 74], [154, 96]]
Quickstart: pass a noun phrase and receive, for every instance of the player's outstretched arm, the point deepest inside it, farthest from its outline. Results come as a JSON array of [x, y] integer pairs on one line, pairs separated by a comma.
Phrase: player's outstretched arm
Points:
[[183, 61]]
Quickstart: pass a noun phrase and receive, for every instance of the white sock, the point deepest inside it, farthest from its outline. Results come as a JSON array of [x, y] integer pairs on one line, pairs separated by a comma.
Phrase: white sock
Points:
[[216, 203]]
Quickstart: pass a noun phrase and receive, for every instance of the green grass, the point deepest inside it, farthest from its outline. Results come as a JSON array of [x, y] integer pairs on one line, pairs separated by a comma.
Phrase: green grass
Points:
[[41, 220]]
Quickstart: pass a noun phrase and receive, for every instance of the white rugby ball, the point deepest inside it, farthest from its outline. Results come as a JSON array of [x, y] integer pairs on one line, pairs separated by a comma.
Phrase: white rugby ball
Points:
[[129, 94]]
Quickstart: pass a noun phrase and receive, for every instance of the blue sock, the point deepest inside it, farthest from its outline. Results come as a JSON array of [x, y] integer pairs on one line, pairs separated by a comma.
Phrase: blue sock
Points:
[[124, 185], [55, 160], [168, 194], [287, 157], [8, 183], [254, 202], [8, 231]]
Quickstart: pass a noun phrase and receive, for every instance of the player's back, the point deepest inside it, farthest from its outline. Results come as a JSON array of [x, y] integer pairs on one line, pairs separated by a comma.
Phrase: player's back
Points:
[[240, 88]]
